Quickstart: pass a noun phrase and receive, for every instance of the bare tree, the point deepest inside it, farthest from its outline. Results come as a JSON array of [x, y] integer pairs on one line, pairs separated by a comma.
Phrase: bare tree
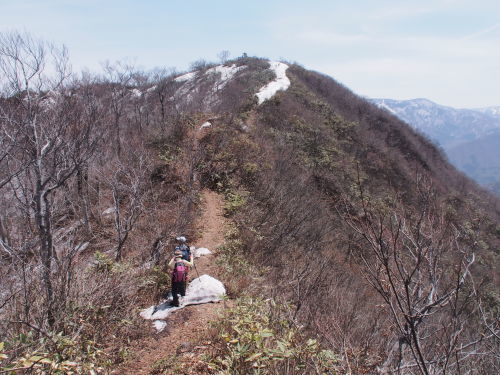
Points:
[[118, 75], [129, 183], [163, 89], [223, 56], [420, 264], [51, 132]]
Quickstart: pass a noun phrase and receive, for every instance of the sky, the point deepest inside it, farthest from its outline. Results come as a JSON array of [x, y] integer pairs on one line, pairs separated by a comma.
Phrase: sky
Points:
[[447, 51]]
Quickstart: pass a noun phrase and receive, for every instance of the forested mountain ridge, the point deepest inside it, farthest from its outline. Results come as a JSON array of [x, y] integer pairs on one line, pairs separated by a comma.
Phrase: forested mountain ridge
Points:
[[373, 253], [446, 125], [466, 135]]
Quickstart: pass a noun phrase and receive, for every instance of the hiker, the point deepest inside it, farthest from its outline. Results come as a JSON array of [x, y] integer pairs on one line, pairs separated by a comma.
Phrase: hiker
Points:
[[179, 276], [184, 247]]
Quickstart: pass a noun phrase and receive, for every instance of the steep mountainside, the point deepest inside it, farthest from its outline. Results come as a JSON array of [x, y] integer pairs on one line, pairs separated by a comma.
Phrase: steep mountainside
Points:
[[331, 189], [479, 159], [468, 136]]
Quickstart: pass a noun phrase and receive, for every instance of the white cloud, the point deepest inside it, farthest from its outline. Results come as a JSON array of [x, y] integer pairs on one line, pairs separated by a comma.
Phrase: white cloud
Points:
[[483, 32], [330, 38], [405, 48]]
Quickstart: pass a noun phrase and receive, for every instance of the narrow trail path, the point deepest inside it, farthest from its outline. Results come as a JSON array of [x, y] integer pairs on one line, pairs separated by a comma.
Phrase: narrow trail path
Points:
[[185, 327]]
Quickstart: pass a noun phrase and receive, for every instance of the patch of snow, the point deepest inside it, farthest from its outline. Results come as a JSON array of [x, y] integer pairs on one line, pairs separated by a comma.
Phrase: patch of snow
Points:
[[386, 107], [203, 289], [226, 73], [48, 102], [136, 93], [151, 89], [108, 211], [494, 111], [280, 83], [82, 246], [159, 325], [218, 77], [61, 233], [206, 125], [201, 251], [185, 77]]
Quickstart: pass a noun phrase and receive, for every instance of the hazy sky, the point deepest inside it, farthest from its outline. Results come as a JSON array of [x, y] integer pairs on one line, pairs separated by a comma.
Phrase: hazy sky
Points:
[[445, 50]]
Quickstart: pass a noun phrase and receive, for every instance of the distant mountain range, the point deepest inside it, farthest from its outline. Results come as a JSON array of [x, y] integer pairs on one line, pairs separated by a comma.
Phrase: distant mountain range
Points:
[[470, 137]]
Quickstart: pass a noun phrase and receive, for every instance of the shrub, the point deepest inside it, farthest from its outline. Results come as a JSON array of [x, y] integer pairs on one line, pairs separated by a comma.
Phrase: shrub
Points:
[[256, 337], [54, 354], [236, 269], [234, 201]]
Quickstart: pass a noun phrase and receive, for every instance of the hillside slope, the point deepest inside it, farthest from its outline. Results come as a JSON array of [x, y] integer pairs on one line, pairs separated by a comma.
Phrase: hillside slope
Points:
[[352, 244], [479, 159]]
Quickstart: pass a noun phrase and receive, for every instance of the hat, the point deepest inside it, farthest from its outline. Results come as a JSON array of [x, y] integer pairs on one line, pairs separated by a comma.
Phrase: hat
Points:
[[181, 239]]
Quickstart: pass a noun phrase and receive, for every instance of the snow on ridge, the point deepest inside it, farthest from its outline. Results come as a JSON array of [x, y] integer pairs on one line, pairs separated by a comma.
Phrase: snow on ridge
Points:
[[226, 72], [185, 77], [386, 107], [280, 83]]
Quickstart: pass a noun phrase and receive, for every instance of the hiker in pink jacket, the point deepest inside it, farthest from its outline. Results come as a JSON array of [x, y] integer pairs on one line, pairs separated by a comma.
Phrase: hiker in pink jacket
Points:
[[179, 276]]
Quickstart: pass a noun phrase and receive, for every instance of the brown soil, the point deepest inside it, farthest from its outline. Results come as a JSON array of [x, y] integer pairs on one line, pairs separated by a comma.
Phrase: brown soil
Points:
[[186, 327]]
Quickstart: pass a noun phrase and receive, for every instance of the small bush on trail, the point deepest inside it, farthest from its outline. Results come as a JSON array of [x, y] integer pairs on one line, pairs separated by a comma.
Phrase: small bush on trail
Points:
[[256, 337], [53, 354], [236, 269], [234, 201]]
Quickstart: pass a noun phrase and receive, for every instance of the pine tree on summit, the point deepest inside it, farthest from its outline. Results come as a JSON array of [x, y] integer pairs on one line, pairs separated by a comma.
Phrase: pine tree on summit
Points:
[[180, 268]]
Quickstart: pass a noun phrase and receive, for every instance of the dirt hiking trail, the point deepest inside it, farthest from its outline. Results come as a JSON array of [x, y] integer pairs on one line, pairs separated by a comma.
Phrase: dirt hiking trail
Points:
[[185, 327]]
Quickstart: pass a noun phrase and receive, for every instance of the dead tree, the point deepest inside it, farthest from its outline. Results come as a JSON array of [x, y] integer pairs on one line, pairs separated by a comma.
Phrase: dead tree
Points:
[[49, 130], [163, 90], [128, 181], [419, 261], [118, 76]]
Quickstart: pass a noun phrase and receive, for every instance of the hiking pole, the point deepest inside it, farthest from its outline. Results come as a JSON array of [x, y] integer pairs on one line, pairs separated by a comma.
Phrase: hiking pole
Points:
[[196, 269]]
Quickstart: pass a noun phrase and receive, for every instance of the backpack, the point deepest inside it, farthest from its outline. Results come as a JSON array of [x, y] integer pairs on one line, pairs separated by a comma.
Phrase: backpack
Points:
[[179, 275], [186, 251]]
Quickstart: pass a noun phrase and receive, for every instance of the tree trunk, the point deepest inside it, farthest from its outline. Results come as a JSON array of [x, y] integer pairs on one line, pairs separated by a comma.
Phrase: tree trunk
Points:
[[42, 217]]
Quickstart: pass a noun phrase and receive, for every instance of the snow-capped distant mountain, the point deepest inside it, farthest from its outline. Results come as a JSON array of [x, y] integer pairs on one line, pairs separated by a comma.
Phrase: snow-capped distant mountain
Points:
[[494, 111], [446, 125], [470, 137]]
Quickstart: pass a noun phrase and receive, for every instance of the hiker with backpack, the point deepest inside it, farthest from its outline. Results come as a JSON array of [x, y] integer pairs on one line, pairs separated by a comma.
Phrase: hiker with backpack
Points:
[[184, 248], [180, 268]]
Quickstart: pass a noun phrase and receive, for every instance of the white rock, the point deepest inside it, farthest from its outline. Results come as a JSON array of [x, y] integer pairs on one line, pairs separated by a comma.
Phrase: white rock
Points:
[[159, 325], [201, 251], [206, 125]]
